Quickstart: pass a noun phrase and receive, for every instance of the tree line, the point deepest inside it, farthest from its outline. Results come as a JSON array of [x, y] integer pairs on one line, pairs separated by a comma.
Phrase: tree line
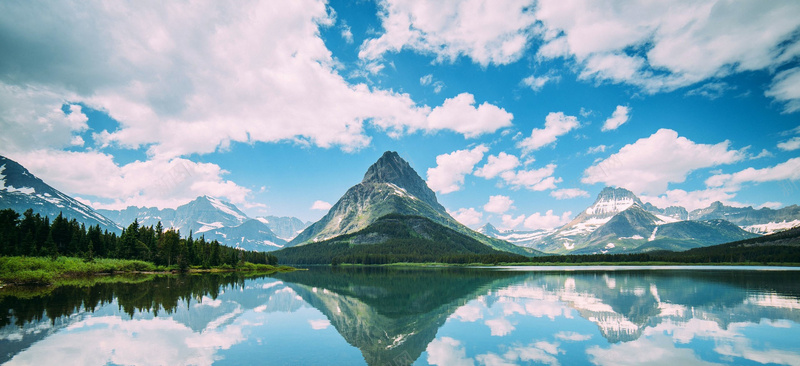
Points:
[[34, 235]]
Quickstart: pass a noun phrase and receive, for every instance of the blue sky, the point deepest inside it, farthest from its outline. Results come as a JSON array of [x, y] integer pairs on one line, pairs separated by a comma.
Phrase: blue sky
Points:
[[516, 112]]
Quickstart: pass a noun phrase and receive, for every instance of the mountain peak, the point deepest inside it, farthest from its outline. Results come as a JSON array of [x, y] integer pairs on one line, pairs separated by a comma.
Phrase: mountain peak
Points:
[[613, 200], [391, 168]]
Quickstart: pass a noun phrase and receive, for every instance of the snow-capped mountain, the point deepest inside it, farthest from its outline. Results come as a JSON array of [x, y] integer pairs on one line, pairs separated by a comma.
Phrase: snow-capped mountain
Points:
[[20, 190], [618, 221], [761, 221], [210, 217], [284, 227], [521, 238], [390, 186]]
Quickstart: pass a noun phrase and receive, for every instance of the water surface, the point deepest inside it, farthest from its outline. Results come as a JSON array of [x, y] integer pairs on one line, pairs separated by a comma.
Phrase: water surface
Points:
[[393, 316]]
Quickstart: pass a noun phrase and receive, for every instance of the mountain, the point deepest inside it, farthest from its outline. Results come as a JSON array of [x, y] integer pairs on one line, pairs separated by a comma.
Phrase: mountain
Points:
[[390, 186], [520, 238], [208, 216], [391, 238], [20, 190], [761, 221], [618, 222], [284, 227]]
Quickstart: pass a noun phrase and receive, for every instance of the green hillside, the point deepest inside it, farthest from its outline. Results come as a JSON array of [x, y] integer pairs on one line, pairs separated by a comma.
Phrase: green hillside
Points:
[[397, 238]]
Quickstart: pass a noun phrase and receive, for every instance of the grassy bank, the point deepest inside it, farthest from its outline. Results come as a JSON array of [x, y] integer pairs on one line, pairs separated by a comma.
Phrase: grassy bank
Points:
[[44, 271]]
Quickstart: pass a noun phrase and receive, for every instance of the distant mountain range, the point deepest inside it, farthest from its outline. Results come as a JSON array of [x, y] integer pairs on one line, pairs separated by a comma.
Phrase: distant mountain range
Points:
[[618, 221], [20, 190], [213, 218], [391, 186], [216, 220]]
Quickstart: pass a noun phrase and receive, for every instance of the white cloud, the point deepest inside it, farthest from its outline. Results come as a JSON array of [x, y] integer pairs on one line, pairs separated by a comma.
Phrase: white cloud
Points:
[[497, 164], [547, 221], [264, 74], [619, 117], [500, 327], [467, 216], [447, 351], [691, 200], [319, 324], [534, 179], [426, 80], [791, 144], [786, 88], [347, 34], [712, 90], [568, 193], [651, 163], [448, 175], [661, 350], [159, 183], [597, 149], [510, 222], [788, 170], [536, 83], [321, 205], [459, 114], [664, 46], [555, 125], [573, 336], [488, 32], [498, 204]]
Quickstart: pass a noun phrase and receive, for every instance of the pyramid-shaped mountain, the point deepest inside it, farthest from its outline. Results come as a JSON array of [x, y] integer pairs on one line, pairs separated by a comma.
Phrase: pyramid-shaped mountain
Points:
[[390, 186], [20, 190]]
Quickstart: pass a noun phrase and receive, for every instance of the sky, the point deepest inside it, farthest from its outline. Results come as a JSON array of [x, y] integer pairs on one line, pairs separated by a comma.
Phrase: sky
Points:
[[515, 112]]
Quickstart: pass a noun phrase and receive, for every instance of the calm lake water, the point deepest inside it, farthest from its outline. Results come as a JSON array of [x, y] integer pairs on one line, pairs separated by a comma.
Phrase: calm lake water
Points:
[[381, 316]]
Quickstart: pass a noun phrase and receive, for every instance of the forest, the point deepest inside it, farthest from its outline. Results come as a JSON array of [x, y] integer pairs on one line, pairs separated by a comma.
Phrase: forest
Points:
[[36, 236]]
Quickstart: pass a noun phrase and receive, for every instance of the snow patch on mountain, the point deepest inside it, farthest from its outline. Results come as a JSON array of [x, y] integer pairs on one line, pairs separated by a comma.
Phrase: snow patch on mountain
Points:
[[209, 226], [222, 206], [772, 227], [263, 220]]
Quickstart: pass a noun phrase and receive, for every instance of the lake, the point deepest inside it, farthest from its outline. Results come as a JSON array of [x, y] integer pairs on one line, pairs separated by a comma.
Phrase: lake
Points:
[[421, 316]]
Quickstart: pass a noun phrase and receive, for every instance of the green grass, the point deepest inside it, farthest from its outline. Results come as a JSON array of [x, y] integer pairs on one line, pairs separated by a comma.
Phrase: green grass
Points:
[[45, 271]]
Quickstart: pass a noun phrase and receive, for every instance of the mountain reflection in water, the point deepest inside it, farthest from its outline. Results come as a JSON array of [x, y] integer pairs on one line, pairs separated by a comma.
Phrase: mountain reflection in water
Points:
[[400, 316]]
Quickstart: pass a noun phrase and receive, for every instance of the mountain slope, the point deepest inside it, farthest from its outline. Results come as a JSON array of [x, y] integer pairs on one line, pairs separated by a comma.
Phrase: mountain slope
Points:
[[761, 221], [207, 216], [284, 227], [391, 238], [20, 190], [390, 186]]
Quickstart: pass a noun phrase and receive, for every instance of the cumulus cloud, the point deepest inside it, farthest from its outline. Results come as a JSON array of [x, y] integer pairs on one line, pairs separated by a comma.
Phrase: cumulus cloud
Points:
[[785, 88], [447, 351], [498, 204], [790, 145], [448, 175], [459, 114], [488, 32], [687, 42], [159, 183], [536, 83], [617, 118], [497, 164], [500, 327], [510, 222], [467, 216], [568, 193], [534, 179], [547, 221], [788, 170], [219, 74], [321, 205], [556, 124], [650, 164]]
